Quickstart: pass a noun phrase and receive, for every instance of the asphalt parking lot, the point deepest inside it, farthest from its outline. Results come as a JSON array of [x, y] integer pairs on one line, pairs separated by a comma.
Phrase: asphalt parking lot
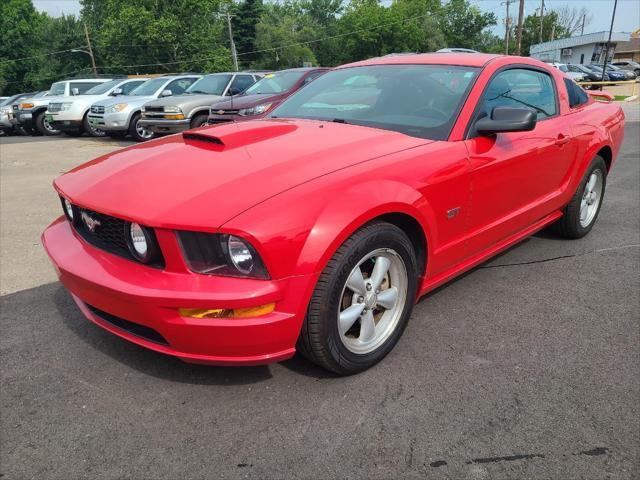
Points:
[[526, 367]]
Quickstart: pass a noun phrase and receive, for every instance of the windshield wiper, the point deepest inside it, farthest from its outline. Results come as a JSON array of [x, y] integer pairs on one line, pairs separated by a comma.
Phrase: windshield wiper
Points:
[[506, 95], [200, 91], [339, 120]]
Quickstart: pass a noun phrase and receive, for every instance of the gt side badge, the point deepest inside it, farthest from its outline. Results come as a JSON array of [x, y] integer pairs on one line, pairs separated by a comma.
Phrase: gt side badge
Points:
[[453, 212]]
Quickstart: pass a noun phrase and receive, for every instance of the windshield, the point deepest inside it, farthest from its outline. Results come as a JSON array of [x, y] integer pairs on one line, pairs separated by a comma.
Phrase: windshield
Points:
[[582, 68], [211, 85], [417, 100], [102, 88], [57, 89], [149, 87], [273, 83]]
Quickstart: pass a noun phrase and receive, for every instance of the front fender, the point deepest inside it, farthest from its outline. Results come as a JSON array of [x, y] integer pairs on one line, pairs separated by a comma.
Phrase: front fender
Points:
[[298, 231]]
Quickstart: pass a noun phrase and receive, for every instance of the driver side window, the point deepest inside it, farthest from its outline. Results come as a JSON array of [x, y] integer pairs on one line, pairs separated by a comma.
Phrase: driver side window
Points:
[[519, 87]]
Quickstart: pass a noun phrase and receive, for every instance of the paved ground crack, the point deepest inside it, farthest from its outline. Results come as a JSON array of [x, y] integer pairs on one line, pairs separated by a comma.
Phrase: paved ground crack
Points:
[[560, 257]]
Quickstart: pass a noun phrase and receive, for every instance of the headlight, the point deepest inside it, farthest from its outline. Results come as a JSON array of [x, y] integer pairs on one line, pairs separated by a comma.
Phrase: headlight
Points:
[[221, 254], [118, 107], [141, 242], [257, 110], [26, 106], [172, 110]]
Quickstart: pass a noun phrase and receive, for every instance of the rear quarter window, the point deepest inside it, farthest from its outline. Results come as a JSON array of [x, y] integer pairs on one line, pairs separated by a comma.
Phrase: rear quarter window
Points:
[[577, 96]]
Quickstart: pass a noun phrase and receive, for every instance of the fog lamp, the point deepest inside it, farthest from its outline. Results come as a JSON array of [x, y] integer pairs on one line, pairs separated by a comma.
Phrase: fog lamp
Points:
[[227, 313]]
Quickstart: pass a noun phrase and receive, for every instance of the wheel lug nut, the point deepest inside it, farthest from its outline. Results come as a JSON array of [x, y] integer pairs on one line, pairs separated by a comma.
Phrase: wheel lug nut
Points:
[[368, 286], [360, 299]]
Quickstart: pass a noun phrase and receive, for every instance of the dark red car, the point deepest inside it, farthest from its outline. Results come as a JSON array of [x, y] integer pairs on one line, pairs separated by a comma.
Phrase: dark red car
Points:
[[263, 96], [317, 228]]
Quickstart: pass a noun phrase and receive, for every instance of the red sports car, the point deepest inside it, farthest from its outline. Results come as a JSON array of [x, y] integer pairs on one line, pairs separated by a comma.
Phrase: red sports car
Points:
[[317, 228]]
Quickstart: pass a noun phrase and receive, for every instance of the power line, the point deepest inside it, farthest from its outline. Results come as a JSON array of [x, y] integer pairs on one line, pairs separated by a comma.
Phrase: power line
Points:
[[40, 55], [271, 49]]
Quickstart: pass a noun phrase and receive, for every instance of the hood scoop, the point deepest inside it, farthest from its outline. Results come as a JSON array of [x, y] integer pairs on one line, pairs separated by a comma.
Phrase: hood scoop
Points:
[[233, 135]]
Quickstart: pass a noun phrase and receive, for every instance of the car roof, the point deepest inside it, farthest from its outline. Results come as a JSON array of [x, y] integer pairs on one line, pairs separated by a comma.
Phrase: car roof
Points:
[[465, 59]]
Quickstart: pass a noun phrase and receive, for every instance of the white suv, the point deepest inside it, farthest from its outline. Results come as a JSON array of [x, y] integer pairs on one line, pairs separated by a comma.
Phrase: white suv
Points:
[[570, 73], [70, 116]]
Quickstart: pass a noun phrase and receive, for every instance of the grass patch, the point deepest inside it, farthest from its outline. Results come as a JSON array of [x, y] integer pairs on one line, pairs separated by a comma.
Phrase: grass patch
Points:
[[619, 98]]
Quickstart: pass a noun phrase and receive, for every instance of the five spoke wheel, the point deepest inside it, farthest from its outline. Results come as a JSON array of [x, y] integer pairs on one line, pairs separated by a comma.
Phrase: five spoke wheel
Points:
[[372, 301], [591, 198]]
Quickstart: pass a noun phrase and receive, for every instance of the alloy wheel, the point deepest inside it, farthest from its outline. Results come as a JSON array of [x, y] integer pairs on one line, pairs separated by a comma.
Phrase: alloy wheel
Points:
[[143, 132], [372, 301], [591, 197]]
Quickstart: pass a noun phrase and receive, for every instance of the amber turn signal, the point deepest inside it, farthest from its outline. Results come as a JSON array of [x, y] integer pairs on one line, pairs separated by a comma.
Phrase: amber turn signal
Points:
[[179, 116], [227, 313]]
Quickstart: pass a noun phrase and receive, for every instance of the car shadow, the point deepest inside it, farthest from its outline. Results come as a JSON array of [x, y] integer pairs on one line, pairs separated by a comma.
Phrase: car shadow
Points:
[[147, 361]]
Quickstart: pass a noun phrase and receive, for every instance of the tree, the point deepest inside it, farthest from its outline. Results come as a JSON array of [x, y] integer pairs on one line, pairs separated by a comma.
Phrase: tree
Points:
[[463, 24], [247, 16]]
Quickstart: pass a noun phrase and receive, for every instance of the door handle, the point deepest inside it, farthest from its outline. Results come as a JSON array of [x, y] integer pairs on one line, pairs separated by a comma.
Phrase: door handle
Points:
[[562, 139]]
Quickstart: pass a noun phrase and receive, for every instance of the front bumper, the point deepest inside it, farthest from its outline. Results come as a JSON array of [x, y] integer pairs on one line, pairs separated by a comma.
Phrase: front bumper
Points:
[[64, 121], [163, 127], [109, 122], [20, 117], [109, 290]]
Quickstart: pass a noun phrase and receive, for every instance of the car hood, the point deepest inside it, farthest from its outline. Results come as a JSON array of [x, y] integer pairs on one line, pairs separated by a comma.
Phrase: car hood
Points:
[[204, 177], [131, 100], [186, 101], [245, 101]]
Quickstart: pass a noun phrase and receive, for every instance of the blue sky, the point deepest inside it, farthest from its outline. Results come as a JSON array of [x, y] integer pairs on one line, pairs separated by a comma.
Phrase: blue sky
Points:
[[627, 15]]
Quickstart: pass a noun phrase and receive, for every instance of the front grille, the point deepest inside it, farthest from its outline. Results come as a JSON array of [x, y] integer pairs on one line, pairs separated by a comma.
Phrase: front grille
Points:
[[215, 121], [213, 111], [136, 329], [108, 234], [97, 109], [154, 109], [55, 107]]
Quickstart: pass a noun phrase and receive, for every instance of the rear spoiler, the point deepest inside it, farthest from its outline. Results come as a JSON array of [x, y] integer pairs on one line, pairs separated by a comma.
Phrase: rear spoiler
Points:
[[599, 96]]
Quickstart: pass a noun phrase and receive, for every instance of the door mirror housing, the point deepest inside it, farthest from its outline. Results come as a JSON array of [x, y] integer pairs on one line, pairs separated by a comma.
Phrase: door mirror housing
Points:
[[75, 91], [166, 93], [116, 92], [507, 119]]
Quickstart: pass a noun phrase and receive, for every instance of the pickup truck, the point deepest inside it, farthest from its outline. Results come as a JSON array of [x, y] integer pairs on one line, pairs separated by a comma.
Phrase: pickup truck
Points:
[[120, 116], [173, 115], [30, 114], [70, 116], [6, 110]]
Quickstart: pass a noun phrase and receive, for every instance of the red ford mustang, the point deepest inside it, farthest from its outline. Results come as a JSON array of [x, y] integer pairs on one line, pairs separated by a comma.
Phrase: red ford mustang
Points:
[[317, 228]]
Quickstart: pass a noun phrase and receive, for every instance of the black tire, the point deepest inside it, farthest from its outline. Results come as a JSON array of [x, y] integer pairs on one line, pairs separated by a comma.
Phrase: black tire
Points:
[[199, 120], [133, 130], [319, 339], [94, 132], [569, 225], [41, 126]]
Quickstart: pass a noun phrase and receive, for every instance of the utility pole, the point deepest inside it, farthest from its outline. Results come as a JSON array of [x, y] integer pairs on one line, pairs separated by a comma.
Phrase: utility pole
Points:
[[553, 32], [606, 49], [519, 34], [233, 45], [541, 18], [507, 27], [90, 52], [584, 18]]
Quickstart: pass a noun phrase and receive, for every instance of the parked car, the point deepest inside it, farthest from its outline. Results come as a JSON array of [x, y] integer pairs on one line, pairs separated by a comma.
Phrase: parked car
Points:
[[21, 117], [120, 116], [71, 116], [30, 114], [318, 227], [176, 114], [576, 76], [263, 96], [590, 75], [614, 76], [6, 111], [628, 65], [628, 74]]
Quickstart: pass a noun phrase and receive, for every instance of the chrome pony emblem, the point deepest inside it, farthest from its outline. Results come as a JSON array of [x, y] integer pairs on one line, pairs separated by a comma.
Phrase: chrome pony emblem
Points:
[[90, 222]]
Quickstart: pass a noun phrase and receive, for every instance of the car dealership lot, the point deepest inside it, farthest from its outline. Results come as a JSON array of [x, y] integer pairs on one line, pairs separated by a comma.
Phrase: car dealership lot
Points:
[[525, 367]]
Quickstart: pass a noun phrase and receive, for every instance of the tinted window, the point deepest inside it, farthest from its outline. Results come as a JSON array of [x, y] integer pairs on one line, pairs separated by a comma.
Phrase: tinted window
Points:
[[180, 86], [100, 88], [149, 87], [417, 100], [211, 84], [577, 96], [519, 87], [241, 83], [128, 87], [275, 83]]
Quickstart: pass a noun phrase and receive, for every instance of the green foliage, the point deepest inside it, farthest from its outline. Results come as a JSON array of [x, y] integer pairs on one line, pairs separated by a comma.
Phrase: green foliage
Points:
[[162, 36]]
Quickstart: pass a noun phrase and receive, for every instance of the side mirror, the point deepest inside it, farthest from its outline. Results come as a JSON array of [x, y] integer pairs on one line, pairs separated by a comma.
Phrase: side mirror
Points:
[[507, 119], [233, 91], [166, 93], [116, 92], [75, 91]]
